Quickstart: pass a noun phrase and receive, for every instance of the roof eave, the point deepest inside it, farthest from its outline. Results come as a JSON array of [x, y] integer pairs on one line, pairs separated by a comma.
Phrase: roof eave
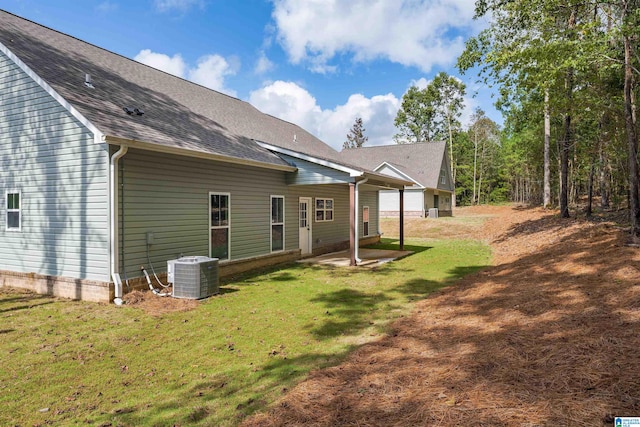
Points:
[[399, 172], [386, 181], [353, 173], [133, 143]]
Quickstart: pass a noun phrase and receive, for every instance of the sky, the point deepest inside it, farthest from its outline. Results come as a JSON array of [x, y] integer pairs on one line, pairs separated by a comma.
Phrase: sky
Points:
[[317, 63]]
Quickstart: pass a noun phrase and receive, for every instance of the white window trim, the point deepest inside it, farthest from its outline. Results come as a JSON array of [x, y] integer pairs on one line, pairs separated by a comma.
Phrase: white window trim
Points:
[[7, 210], [219, 227], [333, 209], [443, 176], [271, 224], [368, 222]]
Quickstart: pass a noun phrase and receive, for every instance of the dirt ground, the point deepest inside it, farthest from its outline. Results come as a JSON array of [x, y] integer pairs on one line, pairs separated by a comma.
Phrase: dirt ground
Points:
[[549, 335]]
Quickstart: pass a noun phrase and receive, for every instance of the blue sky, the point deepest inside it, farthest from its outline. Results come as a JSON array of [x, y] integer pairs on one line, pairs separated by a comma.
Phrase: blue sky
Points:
[[317, 63]]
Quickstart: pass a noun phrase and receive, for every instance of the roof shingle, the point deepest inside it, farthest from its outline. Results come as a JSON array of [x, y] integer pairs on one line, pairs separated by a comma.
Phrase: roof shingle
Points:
[[421, 162], [178, 113]]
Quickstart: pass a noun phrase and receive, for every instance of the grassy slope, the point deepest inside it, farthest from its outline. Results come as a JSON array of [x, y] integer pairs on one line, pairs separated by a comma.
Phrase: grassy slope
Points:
[[66, 362]]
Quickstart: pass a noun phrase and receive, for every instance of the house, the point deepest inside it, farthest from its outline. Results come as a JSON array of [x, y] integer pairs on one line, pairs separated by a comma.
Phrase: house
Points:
[[107, 164], [426, 165]]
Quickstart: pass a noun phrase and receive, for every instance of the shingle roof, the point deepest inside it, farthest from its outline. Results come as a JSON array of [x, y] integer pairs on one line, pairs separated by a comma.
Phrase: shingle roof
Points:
[[178, 113], [421, 162]]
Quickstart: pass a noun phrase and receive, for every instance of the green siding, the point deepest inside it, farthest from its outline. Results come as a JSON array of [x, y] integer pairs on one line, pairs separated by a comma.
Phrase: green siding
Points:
[[47, 155], [169, 195], [311, 173], [368, 197]]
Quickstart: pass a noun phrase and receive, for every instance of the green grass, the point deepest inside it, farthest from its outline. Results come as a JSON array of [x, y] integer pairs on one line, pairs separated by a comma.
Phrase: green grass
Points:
[[69, 362]]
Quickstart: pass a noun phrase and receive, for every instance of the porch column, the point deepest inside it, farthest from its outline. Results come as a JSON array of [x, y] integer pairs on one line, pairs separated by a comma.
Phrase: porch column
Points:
[[352, 223], [402, 220]]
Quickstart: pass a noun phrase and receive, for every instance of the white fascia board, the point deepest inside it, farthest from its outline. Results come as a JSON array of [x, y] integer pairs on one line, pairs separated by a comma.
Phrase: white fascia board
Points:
[[132, 143], [98, 136], [407, 177], [352, 172]]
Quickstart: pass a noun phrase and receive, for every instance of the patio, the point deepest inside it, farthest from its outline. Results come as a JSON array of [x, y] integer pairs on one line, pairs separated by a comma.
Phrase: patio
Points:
[[370, 258]]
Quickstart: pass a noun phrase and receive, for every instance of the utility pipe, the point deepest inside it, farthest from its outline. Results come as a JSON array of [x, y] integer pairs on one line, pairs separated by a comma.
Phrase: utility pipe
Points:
[[113, 218], [357, 208]]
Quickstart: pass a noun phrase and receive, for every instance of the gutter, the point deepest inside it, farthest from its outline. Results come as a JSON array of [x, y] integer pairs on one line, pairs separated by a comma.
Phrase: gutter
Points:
[[133, 143], [113, 218], [357, 208]]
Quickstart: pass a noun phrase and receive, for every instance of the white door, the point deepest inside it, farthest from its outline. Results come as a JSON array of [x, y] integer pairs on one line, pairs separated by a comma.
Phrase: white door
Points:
[[304, 216]]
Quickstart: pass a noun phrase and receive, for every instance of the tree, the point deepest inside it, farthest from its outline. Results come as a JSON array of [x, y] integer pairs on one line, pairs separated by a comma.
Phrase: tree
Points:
[[449, 103], [485, 134], [355, 137], [581, 53], [416, 118]]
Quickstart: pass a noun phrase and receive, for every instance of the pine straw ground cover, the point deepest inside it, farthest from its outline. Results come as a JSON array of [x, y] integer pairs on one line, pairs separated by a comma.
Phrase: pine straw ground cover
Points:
[[547, 336]]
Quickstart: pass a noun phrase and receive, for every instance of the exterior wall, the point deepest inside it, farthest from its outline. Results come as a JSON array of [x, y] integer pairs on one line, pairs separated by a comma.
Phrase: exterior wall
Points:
[[413, 203], [368, 197], [326, 235], [312, 173], [386, 170], [444, 201], [169, 197], [51, 158], [445, 172]]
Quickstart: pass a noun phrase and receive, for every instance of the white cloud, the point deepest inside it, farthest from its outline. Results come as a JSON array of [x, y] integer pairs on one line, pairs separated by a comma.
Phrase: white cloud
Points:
[[106, 7], [263, 64], [210, 70], [171, 64], [179, 5], [291, 102], [420, 33], [421, 83]]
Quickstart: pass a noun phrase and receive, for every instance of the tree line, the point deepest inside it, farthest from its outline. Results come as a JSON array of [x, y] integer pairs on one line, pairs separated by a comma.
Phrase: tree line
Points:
[[566, 73]]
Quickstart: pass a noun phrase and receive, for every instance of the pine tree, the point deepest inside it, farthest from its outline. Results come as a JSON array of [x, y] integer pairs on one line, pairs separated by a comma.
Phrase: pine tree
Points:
[[355, 137]]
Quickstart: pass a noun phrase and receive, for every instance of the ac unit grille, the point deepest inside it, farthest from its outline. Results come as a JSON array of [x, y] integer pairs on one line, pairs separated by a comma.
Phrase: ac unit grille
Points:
[[195, 277]]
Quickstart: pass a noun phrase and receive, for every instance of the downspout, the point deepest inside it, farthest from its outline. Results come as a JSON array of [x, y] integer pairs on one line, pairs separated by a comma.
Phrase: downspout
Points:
[[113, 218], [357, 208]]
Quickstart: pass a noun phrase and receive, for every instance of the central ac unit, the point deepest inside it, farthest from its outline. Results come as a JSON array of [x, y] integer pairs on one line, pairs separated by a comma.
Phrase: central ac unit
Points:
[[193, 277]]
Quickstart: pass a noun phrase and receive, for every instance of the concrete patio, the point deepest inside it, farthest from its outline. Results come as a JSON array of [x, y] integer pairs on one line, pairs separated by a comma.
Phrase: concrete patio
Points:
[[370, 258]]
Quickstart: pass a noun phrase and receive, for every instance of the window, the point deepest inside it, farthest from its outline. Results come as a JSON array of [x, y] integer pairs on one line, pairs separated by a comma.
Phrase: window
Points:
[[219, 225], [365, 221], [324, 210], [443, 176], [14, 211], [277, 223]]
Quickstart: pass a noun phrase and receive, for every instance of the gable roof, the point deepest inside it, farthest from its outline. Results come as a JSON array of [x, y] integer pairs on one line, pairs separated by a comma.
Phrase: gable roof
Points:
[[420, 162], [178, 115]]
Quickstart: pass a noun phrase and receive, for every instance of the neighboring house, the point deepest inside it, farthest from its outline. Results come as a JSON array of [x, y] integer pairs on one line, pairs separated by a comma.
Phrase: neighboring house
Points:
[[107, 164], [427, 165]]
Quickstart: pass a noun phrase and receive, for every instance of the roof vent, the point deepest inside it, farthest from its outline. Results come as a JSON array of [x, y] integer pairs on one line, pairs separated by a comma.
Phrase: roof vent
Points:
[[138, 111], [88, 82], [128, 110]]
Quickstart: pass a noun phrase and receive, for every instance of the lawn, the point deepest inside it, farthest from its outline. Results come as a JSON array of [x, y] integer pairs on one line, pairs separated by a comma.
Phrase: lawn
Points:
[[70, 362]]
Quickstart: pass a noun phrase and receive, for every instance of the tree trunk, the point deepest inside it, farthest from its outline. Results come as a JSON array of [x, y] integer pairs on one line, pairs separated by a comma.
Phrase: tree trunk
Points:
[[566, 141], [475, 166], [589, 210], [564, 154], [453, 165], [602, 164], [547, 138], [632, 138]]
